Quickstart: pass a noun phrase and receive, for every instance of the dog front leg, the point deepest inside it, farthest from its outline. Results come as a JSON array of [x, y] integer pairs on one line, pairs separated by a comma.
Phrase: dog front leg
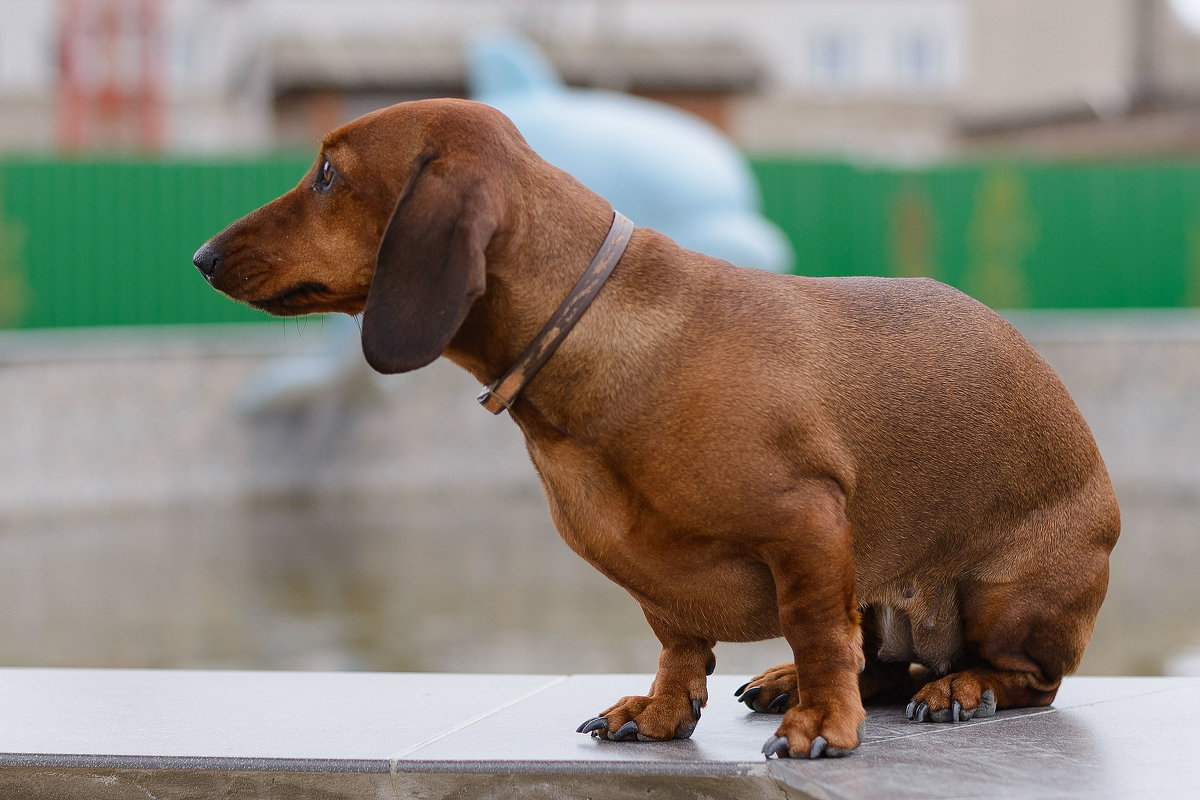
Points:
[[813, 571], [680, 689]]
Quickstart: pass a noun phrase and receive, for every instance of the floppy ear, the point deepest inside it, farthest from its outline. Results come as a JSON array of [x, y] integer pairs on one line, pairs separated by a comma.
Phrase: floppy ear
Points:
[[430, 267]]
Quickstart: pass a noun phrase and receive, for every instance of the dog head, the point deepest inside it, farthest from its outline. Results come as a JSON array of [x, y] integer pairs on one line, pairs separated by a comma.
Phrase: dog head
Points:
[[393, 220]]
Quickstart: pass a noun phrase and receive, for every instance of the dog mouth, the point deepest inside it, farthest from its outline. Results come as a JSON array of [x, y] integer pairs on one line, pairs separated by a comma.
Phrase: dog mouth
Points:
[[303, 298]]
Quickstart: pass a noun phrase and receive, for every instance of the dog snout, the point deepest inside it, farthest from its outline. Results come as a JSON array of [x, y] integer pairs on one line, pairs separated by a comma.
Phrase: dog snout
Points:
[[208, 260]]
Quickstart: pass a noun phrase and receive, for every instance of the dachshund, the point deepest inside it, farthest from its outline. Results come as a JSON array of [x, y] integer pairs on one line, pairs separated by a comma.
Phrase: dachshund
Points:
[[880, 470]]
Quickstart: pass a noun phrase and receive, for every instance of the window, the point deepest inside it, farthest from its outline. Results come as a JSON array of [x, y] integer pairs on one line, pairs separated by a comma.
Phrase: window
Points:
[[920, 59], [834, 59]]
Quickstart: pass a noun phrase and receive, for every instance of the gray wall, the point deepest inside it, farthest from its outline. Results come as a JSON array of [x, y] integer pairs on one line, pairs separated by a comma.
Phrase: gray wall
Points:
[[127, 417], [104, 421]]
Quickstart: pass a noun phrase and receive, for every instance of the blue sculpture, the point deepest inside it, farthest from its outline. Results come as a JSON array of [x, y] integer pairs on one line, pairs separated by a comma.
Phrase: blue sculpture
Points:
[[662, 167]]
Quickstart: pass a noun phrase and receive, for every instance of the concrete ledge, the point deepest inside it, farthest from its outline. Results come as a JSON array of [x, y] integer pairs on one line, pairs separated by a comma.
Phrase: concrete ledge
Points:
[[116, 734]]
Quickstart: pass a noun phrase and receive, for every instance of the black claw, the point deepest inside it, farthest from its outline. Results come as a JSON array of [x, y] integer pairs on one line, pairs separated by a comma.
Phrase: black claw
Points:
[[922, 712], [626, 731], [941, 715], [818, 747], [738, 691], [778, 703], [956, 712], [696, 709], [750, 695], [912, 708], [987, 704], [776, 746], [593, 724]]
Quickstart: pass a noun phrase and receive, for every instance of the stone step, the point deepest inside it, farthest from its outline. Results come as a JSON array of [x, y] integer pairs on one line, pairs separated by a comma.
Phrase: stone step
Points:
[[175, 734]]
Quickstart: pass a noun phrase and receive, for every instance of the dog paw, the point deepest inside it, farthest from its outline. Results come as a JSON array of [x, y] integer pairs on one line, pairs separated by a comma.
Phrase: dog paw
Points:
[[646, 719], [772, 692], [955, 698], [815, 733]]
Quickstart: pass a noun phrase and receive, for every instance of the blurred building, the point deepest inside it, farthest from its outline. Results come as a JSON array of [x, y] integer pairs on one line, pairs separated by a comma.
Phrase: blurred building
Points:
[[900, 80]]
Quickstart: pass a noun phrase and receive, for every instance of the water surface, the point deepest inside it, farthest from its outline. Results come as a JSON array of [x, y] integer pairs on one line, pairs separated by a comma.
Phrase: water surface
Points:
[[454, 582]]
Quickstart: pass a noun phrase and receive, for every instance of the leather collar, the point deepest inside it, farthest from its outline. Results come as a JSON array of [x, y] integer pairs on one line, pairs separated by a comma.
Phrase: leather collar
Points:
[[503, 392]]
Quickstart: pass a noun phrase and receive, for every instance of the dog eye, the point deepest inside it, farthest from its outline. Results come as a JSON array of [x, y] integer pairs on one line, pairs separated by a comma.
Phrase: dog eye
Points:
[[324, 176]]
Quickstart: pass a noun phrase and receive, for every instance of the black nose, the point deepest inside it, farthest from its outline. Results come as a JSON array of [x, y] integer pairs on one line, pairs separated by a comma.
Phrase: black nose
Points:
[[208, 261]]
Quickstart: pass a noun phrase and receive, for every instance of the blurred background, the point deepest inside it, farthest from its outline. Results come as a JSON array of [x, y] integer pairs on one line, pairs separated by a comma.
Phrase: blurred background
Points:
[[187, 483]]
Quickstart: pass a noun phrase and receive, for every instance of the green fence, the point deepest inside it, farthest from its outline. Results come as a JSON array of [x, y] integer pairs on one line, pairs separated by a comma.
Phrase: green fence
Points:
[[1012, 235], [87, 243]]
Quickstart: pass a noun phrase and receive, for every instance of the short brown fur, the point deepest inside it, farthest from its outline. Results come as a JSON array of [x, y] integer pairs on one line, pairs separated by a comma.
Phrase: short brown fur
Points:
[[882, 471]]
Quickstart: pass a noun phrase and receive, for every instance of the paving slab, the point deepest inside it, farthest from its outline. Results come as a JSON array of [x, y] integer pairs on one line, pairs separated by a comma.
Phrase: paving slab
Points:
[[176, 735]]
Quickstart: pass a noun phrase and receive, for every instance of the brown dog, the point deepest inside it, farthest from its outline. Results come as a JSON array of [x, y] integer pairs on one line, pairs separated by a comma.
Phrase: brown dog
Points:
[[882, 471]]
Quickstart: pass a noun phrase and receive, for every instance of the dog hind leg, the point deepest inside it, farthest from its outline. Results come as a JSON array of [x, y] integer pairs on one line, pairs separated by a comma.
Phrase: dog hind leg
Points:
[[775, 690], [1025, 634]]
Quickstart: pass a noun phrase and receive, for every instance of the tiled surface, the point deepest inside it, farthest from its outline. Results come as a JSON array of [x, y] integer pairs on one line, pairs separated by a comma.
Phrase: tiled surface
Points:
[[237, 720], [529, 736], [1104, 738], [416, 735]]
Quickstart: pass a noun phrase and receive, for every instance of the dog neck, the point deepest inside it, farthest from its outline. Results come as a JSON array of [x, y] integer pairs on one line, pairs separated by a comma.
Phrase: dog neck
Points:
[[500, 394], [534, 260]]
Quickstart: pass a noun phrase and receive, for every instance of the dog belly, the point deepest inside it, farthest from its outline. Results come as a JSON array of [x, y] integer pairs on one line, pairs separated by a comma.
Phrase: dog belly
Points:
[[722, 604], [697, 591], [933, 638]]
